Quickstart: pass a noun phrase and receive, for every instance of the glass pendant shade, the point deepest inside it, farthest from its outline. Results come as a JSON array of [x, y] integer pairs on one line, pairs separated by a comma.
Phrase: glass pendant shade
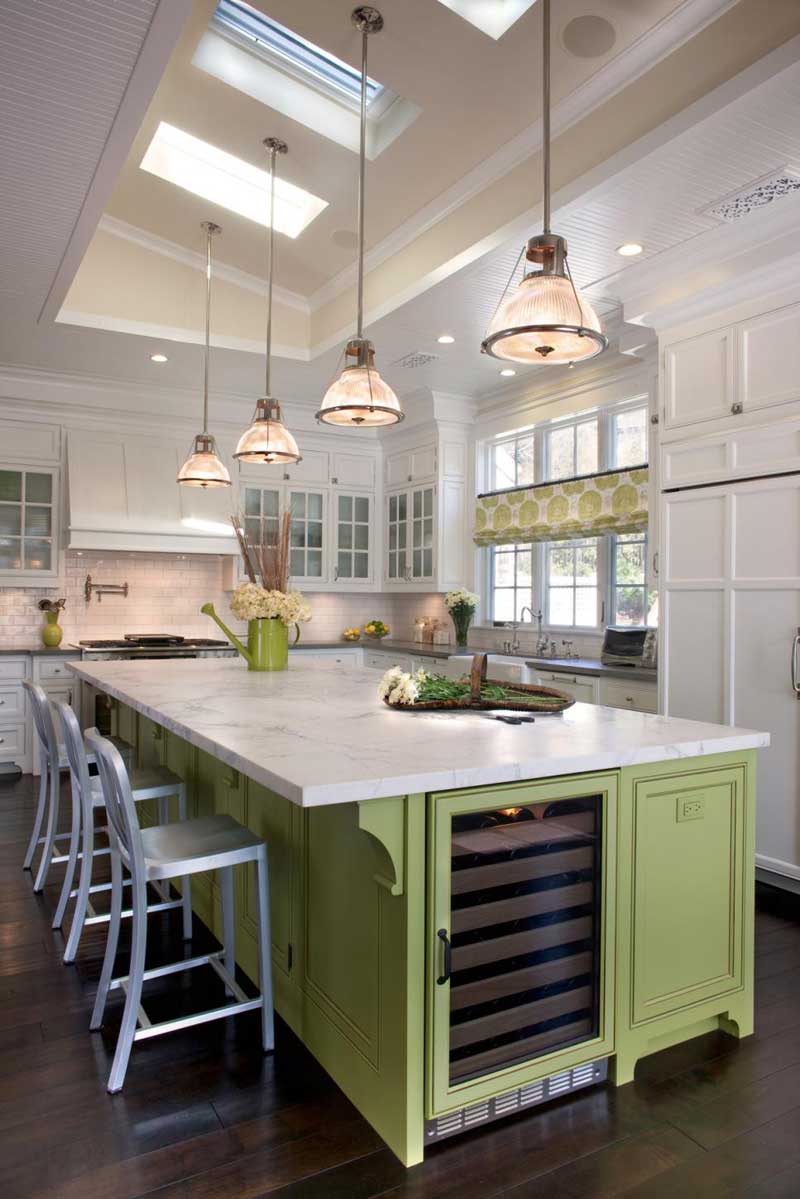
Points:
[[544, 321], [360, 396], [204, 467], [267, 439]]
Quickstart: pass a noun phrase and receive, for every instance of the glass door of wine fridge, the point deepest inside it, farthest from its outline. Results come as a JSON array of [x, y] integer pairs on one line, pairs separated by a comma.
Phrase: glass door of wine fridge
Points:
[[520, 940]]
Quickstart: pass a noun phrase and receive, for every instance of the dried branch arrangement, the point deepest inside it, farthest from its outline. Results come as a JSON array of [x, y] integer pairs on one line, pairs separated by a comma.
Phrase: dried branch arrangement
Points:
[[266, 561]]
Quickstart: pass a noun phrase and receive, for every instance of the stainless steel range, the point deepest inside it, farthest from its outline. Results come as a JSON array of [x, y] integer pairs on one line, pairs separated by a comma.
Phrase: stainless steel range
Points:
[[155, 645]]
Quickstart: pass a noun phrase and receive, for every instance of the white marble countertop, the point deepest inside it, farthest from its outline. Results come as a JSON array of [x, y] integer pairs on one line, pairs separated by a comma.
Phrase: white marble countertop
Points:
[[318, 734]]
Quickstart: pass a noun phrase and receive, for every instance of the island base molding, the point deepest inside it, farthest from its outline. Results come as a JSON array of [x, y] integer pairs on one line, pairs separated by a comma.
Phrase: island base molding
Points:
[[379, 967]]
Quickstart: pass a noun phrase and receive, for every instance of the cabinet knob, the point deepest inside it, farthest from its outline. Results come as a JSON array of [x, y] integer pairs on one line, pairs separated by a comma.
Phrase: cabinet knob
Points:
[[737, 408], [411, 478], [2, 703], [2, 740]]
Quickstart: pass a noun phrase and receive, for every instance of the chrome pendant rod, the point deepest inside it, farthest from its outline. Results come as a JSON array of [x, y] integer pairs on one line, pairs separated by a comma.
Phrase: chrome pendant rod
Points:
[[361, 182], [275, 146], [210, 229], [546, 112]]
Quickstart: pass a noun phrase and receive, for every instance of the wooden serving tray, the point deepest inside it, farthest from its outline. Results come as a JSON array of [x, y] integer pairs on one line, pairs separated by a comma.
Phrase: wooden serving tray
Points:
[[474, 703]]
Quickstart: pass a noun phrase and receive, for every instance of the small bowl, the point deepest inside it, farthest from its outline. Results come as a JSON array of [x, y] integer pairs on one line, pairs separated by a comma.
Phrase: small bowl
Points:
[[376, 636], [351, 636]]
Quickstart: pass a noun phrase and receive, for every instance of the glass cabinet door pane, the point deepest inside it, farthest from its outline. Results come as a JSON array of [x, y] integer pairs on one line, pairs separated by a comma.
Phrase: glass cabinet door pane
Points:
[[314, 568], [361, 566], [11, 486], [343, 563], [38, 522], [345, 537], [11, 519], [38, 555], [361, 537], [345, 507], [10, 553], [362, 509], [38, 488], [525, 933]]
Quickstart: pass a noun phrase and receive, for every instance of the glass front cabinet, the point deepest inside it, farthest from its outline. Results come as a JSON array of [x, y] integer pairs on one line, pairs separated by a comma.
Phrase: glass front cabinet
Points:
[[520, 936], [410, 535], [330, 533]]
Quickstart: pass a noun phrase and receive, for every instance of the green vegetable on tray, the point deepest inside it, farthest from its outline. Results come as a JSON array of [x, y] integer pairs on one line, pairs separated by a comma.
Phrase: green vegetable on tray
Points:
[[401, 688]]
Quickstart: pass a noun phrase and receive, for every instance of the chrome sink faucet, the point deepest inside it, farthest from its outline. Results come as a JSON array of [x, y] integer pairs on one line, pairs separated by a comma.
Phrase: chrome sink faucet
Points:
[[541, 640]]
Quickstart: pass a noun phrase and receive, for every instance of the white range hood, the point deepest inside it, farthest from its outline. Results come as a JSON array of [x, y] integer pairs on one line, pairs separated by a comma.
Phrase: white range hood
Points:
[[123, 496]]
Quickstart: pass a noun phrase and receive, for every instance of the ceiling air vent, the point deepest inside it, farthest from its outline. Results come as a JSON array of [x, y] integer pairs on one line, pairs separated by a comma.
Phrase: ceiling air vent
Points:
[[416, 358], [755, 195]]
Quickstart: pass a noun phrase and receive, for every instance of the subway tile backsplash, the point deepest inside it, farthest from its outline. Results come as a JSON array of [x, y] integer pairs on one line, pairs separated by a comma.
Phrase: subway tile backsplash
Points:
[[166, 592]]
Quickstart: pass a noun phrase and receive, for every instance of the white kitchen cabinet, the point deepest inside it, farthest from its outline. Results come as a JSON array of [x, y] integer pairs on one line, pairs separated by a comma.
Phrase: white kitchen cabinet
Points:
[[768, 359], [352, 519], [29, 524], [582, 688], [59, 685], [730, 611], [415, 465], [313, 467], [635, 696], [15, 732], [698, 379], [353, 470], [410, 535], [384, 659]]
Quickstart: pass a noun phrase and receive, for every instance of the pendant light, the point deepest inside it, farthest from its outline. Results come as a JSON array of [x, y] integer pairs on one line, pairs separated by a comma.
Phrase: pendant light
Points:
[[545, 319], [360, 397], [204, 467], [267, 439]]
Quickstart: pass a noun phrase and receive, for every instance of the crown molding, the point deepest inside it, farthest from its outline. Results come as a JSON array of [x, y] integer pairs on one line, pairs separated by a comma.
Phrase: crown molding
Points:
[[677, 28], [197, 261]]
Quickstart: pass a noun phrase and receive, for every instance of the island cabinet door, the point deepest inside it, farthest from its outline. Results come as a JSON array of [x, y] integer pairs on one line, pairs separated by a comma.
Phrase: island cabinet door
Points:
[[685, 890], [520, 936]]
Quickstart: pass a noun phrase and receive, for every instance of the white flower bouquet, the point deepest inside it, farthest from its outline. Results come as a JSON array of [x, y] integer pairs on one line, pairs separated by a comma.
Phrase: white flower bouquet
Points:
[[251, 602], [461, 605]]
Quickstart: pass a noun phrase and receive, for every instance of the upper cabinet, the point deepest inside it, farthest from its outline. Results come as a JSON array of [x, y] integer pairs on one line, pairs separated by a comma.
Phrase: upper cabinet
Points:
[[745, 368], [123, 495], [416, 465], [425, 513], [30, 503], [769, 359], [698, 379]]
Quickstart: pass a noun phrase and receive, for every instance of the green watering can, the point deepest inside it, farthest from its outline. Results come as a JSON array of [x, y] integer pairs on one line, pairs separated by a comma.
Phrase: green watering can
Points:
[[267, 641]]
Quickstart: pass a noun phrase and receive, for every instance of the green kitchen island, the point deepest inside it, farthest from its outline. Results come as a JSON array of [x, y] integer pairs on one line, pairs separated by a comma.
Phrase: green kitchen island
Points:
[[468, 917]]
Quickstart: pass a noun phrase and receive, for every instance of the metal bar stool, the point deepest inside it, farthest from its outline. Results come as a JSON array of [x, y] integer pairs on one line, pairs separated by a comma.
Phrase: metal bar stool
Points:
[[52, 760], [153, 782], [164, 852]]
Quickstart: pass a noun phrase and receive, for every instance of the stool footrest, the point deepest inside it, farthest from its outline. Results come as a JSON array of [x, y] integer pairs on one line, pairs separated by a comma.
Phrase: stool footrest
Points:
[[146, 1027]]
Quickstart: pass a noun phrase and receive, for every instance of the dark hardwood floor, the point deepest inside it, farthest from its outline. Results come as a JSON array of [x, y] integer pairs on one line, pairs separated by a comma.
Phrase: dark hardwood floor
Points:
[[204, 1115]]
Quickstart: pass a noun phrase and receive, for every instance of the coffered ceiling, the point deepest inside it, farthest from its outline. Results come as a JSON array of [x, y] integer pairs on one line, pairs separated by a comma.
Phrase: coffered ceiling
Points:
[[651, 98]]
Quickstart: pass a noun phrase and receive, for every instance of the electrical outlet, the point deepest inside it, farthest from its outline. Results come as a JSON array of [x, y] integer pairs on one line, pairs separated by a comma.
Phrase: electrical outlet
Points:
[[692, 808]]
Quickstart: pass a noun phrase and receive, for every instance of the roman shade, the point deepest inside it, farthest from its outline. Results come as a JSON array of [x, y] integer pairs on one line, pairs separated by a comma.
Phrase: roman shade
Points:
[[610, 502]]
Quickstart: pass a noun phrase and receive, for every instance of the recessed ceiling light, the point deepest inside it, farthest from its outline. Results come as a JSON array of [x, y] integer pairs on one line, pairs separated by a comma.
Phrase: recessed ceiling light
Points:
[[507, 372], [445, 340], [629, 249], [207, 171], [159, 358]]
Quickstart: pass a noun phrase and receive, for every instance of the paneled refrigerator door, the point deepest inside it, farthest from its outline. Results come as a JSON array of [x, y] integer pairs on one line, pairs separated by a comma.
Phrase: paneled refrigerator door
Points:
[[520, 939]]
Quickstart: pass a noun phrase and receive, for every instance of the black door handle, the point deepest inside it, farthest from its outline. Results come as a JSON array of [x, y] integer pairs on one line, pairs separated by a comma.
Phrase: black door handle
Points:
[[448, 956]]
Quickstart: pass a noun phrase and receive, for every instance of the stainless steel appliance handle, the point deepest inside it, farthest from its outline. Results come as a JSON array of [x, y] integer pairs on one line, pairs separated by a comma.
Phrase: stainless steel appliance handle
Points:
[[795, 671]]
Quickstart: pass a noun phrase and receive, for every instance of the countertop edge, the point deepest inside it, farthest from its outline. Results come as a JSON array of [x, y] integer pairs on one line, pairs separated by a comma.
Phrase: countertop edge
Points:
[[326, 794]]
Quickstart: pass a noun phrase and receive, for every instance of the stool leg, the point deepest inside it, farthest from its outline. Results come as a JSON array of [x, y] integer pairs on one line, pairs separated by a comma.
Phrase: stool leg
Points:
[[228, 921], [265, 953], [37, 823], [82, 898], [112, 939], [52, 826], [186, 885], [134, 990], [74, 839]]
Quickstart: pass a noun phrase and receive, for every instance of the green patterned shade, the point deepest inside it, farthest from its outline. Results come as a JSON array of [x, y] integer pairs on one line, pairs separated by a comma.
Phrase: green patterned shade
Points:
[[613, 502]]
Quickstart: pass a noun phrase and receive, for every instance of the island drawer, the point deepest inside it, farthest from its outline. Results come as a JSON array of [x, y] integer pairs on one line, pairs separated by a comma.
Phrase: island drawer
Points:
[[47, 668], [636, 697]]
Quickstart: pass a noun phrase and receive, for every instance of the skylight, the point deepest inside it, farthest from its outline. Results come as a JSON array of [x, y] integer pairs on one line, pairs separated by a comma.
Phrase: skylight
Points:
[[207, 171], [247, 26], [492, 17]]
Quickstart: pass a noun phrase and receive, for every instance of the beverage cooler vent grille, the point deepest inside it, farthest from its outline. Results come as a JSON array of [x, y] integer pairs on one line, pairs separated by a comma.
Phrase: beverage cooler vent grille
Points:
[[515, 1101]]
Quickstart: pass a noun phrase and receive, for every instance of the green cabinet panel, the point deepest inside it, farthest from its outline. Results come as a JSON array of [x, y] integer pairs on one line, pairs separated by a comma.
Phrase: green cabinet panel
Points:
[[446, 1089], [685, 913]]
